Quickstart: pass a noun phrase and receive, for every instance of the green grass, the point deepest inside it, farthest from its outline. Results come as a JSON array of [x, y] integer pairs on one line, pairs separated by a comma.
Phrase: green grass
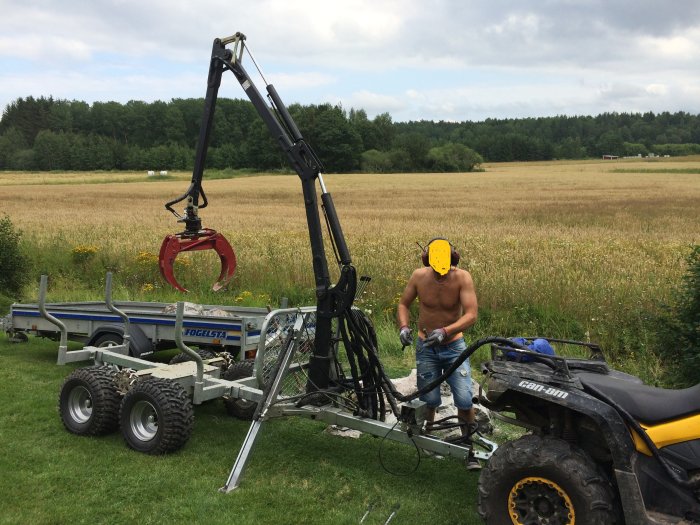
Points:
[[297, 474]]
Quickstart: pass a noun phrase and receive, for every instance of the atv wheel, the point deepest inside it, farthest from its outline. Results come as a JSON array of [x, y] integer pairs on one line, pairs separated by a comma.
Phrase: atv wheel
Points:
[[236, 407], [183, 357], [156, 416], [544, 480], [89, 401]]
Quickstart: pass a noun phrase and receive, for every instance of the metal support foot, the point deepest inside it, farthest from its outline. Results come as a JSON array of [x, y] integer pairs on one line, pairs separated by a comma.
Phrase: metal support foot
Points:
[[269, 396]]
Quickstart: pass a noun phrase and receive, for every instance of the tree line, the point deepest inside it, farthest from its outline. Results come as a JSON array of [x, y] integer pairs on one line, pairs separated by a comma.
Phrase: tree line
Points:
[[50, 134]]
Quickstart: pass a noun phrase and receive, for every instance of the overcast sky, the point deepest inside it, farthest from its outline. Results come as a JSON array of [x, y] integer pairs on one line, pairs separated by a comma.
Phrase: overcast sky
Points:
[[429, 59]]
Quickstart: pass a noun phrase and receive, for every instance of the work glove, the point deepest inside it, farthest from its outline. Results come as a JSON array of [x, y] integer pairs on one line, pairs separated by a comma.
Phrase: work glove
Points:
[[406, 336], [436, 337]]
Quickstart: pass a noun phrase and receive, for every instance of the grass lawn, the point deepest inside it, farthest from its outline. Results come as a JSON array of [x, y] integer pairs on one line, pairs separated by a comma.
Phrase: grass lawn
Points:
[[297, 473]]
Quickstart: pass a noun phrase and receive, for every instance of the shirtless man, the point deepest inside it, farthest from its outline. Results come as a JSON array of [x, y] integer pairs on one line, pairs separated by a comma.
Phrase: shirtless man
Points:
[[447, 307]]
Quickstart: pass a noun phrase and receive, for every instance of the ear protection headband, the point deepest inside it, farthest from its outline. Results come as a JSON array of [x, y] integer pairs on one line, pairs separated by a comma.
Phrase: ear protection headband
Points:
[[454, 254]]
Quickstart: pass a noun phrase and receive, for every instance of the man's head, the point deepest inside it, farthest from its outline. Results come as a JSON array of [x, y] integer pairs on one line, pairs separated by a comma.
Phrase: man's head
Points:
[[440, 255]]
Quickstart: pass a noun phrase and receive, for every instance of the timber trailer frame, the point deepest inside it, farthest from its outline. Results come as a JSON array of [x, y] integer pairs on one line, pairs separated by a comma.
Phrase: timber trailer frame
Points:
[[153, 402], [296, 371]]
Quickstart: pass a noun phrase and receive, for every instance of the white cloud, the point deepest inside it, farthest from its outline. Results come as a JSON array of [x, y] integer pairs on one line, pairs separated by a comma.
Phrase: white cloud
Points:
[[449, 59], [526, 26], [657, 89], [45, 48], [288, 81], [374, 103], [680, 48]]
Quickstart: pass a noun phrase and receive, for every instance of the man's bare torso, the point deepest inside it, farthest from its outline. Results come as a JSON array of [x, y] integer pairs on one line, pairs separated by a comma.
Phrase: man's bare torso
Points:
[[439, 300]]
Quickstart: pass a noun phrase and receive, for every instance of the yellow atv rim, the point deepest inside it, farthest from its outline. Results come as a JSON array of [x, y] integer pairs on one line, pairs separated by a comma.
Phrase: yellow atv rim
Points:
[[539, 500]]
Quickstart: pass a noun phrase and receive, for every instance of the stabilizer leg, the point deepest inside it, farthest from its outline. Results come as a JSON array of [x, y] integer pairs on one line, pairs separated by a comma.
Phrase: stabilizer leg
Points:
[[270, 393]]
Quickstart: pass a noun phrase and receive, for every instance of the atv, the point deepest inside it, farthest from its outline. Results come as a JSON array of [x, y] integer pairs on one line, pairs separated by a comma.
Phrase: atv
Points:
[[601, 446]]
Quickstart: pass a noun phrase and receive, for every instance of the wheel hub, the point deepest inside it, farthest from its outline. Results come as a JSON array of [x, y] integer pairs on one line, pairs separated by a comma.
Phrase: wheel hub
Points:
[[535, 501], [80, 404], [144, 420]]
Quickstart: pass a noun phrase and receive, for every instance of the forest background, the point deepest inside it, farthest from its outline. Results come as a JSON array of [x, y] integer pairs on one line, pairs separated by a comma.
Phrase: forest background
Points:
[[48, 134]]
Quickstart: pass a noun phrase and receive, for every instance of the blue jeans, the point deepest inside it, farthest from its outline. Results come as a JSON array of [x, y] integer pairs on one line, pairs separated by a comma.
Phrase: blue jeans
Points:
[[432, 362]]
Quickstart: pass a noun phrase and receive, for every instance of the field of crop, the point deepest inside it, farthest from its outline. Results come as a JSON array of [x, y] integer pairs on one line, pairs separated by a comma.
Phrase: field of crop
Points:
[[586, 250]]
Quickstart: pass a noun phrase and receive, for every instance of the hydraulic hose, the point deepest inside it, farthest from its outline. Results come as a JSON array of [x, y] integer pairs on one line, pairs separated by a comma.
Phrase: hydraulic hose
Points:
[[361, 348], [462, 357]]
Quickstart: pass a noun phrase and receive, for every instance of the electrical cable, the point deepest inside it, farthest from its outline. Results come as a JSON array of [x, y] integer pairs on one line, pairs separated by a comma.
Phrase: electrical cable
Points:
[[341, 400], [381, 459], [331, 395]]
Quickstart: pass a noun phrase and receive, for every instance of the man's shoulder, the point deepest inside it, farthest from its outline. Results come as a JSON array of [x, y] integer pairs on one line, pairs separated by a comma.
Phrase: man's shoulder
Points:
[[421, 274], [461, 272], [463, 276], [426, 272]]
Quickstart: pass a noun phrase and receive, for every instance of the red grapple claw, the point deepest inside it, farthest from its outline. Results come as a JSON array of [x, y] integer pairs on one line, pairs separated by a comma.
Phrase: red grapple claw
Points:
[[205, 239]]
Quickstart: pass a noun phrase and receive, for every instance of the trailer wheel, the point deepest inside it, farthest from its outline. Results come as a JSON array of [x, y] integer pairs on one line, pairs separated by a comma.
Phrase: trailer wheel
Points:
[[108, 339], [183, 357], [156, 416], [236, 407], [89, 401], [538, 479]]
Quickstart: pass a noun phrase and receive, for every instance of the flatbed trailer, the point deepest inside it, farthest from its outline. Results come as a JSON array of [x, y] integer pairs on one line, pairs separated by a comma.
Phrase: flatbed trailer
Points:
[[152, 327]]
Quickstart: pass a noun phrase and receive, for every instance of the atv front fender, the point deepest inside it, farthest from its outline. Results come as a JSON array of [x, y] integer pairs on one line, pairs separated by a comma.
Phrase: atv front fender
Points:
[[507, 391]]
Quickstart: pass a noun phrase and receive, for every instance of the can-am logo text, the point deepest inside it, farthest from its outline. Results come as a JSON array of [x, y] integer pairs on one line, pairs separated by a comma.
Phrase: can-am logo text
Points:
[[536, 387]]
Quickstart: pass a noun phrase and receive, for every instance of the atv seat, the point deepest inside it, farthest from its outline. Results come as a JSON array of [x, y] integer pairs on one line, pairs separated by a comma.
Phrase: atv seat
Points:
[[647, 404]]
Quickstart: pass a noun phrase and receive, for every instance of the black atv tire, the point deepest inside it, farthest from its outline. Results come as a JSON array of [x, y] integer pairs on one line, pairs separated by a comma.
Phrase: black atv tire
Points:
[[183, 357], [89, 401], [538, 479], [236, 407], [156, 416]]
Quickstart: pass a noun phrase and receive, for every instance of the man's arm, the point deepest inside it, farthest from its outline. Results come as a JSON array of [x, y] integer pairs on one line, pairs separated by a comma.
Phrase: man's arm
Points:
[[407, 297], [470, 307]]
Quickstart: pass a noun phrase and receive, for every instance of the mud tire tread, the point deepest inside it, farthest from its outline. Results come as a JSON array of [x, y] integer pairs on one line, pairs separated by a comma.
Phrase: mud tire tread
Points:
[[592, 495], [182, 357], [99, 382], [239, 408], [175, 415]]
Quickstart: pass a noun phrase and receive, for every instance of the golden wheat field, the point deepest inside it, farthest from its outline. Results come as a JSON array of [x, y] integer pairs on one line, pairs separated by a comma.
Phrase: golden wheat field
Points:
[[599, 240]]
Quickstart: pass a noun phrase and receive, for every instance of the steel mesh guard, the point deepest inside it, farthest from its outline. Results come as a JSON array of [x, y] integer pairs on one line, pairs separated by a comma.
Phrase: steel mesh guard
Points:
[[275, 333]]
